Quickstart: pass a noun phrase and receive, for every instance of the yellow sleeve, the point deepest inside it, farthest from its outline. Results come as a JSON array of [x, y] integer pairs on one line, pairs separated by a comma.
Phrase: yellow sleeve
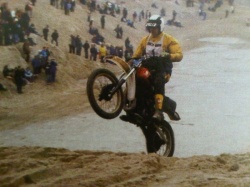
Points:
[[141, 48], [172, 46]]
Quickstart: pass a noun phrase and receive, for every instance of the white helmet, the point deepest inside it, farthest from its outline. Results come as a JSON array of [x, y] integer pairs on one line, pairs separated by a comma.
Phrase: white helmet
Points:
[[155, 21]]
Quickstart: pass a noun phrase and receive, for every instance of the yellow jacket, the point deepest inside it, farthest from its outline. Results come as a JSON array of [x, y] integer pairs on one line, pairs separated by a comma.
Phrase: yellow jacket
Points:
[[102, 51], [169, 45]]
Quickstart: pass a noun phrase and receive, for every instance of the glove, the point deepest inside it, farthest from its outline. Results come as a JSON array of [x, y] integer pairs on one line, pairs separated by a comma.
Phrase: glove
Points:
[[136, 62], [165, 56]]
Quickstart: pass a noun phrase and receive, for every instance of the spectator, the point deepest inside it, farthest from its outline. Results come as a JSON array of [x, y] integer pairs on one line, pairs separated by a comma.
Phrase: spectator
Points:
[[119, 51], [227, 12], [67, 7], [102, 52], [47, 72], [44, 54], [36, 64], [46, 32], [53, 69], [28, 9], [26, 50], [112, 50], [134, 16], [28, 75], [52, 2], [62, 3], [128, 52], [55, 37], [91, 23], [72, 44], [57, 4], [89, 16], [73, 4], [33, 2], [124, 13], [93, 52], [127, 42], [18, 78], [142, 14], [78, 45], [130, 23], [119, 31], [32, 29], [86, 49], [103, 21], [163, 12]]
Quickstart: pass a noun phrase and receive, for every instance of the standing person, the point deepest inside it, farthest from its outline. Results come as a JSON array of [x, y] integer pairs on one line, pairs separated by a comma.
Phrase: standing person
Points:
[[26, 50], [72, 45], [117, 31], [103, 21], [46, 32], [127, 42], [28, 9], [33, 2], [36, 64], [55, 37], [62, 2], [47, 72], [93, 52], [161, 50], [57, 3], [120, 32], [128, 52], [18, 77], [78, 45], [53, 70], [86, 47], [102, 52]]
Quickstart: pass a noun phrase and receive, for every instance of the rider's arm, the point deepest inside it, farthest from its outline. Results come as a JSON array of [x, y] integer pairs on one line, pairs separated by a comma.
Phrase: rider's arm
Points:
[[140, 49], [172, 46]]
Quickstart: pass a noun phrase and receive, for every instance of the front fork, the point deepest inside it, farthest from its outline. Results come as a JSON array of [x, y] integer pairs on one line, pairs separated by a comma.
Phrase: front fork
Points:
[[120, 83]]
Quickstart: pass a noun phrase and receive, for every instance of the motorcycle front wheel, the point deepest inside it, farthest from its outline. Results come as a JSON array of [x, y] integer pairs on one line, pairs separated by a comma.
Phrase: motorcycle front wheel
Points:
[[99, 83]]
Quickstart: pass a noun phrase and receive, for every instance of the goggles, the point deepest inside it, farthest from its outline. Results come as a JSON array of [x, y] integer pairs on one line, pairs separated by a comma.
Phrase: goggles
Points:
[[151, 24]]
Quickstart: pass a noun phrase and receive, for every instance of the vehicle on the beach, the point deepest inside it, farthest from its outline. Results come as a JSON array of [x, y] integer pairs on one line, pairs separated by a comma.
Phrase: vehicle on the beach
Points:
[[109, 94]]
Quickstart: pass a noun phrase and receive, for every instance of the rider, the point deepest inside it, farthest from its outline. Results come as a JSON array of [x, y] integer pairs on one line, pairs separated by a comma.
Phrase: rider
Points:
[[162, 49]]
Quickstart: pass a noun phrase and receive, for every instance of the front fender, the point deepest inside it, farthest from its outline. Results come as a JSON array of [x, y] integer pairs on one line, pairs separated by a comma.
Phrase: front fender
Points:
[[131, 83], [119, 62]]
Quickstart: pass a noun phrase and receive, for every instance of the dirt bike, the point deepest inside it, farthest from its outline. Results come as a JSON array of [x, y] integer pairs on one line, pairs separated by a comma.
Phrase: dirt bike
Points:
[[109, 94]]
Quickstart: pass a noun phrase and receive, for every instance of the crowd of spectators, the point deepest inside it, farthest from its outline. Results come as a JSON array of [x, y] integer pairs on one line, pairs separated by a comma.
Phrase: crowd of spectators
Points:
[[16, 26], [66, 5]]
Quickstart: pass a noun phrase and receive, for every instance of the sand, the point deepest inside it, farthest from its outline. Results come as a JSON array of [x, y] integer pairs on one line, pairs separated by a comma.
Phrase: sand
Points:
[[46, 166]]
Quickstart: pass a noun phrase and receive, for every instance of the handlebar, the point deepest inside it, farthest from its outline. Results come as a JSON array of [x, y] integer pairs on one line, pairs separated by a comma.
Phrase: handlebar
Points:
[[137, 62]]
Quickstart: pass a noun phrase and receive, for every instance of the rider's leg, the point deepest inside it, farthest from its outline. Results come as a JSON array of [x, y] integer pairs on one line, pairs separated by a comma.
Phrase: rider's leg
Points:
[[158, 107], [159, 85], [169, 105]]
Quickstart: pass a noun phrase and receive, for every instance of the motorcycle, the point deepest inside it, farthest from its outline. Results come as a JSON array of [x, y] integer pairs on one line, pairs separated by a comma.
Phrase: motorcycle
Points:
[[131, 91]]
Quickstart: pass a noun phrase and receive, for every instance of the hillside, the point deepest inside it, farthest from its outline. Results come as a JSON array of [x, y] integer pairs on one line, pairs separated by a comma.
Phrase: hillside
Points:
[[39, 166], [73, 69]]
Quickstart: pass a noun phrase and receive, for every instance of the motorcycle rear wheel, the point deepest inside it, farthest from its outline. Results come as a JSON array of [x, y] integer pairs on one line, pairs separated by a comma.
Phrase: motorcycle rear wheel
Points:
[[99, 82], [161, 140]]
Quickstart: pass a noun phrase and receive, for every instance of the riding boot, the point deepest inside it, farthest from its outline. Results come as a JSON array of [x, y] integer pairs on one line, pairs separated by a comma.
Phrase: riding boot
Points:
[[169, 107], [158, 115]]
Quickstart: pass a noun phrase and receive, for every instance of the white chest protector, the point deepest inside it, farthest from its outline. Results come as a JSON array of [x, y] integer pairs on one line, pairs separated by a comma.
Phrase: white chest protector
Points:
[[154, 49]]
